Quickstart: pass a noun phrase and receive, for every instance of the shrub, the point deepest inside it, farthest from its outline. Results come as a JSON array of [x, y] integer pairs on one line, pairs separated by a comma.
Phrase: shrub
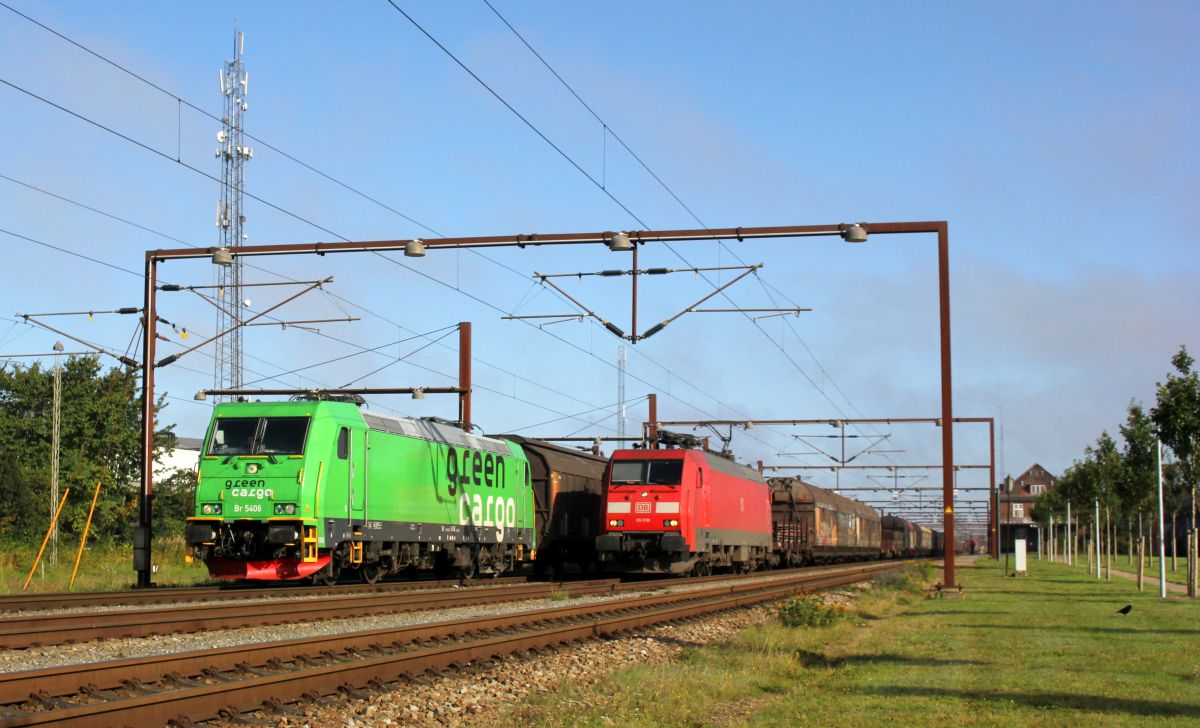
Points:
[[911, 578], [806, 610]]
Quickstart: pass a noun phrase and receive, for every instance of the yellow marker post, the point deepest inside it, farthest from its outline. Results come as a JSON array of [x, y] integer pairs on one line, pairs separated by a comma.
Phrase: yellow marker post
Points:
[[45, 540], [83, 539]]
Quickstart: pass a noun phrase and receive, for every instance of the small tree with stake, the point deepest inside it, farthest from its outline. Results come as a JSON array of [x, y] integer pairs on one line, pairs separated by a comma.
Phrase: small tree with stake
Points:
[[1109, 468], [1177, 496], [1176, 415], [1085, 486], [1139, 474]]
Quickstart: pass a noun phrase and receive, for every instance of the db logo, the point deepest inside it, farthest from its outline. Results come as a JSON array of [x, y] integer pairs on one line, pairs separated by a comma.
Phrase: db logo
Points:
[[641, 507]]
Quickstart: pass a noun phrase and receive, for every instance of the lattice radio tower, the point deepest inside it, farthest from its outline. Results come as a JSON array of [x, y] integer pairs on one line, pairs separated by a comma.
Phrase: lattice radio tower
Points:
[[231, 218]]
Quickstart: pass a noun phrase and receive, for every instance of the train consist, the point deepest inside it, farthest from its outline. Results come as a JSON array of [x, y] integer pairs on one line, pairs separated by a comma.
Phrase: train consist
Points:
[[320, 489], [689, 511]]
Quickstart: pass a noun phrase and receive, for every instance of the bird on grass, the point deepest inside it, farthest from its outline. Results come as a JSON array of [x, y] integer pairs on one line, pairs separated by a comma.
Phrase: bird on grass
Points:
[[1125, 609]]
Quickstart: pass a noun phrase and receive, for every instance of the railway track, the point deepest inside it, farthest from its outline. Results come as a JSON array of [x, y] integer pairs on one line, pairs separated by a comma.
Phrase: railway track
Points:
[[224, 683], [34, 629], [20, 632], [72, 600]]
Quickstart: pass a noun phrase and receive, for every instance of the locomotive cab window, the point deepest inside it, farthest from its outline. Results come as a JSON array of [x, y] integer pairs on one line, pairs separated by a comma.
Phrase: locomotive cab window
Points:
[[647, 472], [283, 435], [234, 436], [259, 436], [343, 444]]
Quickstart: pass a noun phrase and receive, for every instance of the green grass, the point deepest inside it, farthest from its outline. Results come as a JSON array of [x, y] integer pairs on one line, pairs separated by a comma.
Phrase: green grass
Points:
[[1121, 563], [102, 568], [1047, 649], [1177, 575]]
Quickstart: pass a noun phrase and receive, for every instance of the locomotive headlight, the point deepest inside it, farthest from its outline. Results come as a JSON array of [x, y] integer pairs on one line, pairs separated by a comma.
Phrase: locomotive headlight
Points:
[[211, 509], [669, 522], [616, 522], [252, 468], [285, 509]]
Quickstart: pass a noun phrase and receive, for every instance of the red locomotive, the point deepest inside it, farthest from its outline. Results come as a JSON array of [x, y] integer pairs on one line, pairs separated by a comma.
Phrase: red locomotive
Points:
[[683, 511]]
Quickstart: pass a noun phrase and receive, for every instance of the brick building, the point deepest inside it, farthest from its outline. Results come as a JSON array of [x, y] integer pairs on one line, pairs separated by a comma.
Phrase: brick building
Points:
[[1015, 506]]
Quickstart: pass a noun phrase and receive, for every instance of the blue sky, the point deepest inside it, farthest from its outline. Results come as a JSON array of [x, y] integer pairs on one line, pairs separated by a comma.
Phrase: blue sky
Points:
[[1059, 140]]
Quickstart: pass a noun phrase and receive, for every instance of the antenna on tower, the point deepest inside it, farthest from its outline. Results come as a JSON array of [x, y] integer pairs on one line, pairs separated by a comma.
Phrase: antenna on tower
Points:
[[230, 218]]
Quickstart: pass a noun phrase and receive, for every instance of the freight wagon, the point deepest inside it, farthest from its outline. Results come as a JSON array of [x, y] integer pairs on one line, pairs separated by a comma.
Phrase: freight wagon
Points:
[[895, 538], [813, 525], [924, 541], [568, 496]]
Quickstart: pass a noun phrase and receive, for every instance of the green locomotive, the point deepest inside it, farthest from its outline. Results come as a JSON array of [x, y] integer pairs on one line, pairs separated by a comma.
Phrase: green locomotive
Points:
[[315, 488]]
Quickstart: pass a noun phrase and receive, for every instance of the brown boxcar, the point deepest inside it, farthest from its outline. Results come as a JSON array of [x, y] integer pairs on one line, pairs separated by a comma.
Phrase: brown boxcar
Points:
[[568, 494], [894, 542], [813, 525], [924, 541], [939, 544]]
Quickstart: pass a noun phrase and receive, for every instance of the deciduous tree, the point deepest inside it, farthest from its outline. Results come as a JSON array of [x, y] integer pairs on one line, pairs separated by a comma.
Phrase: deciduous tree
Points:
[[1176, 416], [100, 437]]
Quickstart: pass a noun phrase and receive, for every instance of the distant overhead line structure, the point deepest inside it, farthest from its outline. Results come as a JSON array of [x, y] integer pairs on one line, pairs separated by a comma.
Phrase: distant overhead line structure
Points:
[[620, 241], [947, 466]]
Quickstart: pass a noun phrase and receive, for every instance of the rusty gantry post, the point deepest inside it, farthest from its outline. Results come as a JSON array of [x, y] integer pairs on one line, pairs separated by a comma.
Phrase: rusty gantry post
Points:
[[942, 229], [142, 535], [464, 374], [651, 432], [633, 334], [992, 487], [943, 234]]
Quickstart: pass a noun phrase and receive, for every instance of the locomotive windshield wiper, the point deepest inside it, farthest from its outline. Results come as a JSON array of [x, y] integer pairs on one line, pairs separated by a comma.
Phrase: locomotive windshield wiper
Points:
[[271, 458]]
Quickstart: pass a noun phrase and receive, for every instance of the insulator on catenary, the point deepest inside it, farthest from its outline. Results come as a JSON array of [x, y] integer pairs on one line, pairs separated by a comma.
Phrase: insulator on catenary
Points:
[[654, 330], [613, 328]]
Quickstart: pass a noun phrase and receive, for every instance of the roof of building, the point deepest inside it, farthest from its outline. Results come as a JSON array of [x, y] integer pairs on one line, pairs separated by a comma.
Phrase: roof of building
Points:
[[1036, 474], [189, 443]]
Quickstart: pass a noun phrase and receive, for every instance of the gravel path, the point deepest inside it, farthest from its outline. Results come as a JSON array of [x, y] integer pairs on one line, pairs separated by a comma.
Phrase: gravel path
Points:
[[479, 698], [482, 697]]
